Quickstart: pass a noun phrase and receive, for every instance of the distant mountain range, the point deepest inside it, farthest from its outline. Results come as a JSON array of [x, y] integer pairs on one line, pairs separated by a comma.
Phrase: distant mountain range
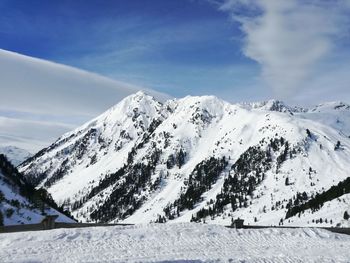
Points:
[[14, 154], [202, 159]]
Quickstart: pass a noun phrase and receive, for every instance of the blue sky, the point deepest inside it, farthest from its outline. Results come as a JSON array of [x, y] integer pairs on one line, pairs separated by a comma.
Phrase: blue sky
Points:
[[236, 49], [179, 47], [239, 50]]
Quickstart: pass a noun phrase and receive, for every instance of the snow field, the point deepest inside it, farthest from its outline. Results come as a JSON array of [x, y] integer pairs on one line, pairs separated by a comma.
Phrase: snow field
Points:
[[184, 242]]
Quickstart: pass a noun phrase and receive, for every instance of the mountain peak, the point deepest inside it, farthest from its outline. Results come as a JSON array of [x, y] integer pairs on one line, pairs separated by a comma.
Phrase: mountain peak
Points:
[[203, 101], [332, 105], [140, 93], [142, 160], [138, 97], [268, 105]]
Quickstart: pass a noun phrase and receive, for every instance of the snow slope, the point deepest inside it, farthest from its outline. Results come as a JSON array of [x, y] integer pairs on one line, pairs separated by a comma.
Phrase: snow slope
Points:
[[184, 242], [15, 155], [330, 210], [145, 161], [15, 207], [26, 214]]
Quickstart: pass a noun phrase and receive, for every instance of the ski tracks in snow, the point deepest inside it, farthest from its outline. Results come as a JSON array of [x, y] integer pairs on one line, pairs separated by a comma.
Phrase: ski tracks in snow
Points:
[[183, 242]]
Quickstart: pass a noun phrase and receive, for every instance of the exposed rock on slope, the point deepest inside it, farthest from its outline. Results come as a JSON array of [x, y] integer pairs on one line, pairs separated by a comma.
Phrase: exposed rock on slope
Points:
[[196, 158]]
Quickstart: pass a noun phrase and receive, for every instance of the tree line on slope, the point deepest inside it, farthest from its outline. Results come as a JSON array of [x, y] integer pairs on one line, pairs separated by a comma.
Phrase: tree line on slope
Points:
[[127, 196], [316, 202], [245, 175], [129, 183], [39, 198], [201, 179]]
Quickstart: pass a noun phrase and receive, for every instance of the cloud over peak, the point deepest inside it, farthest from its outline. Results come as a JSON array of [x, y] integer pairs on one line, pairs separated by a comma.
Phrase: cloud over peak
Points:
[[289, 38]]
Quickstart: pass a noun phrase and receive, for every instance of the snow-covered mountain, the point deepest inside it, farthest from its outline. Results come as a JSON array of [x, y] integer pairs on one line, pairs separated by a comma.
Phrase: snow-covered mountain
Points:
[[20, 203], [14, 154], [202, 159]]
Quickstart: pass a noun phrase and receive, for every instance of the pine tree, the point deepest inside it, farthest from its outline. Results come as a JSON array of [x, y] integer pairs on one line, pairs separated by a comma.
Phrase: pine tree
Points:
[[287, 181], [308, 133], [1, 219], [2, 197], [181, 158], [337, 146], [346, 215], [170, 162], [9, 212]]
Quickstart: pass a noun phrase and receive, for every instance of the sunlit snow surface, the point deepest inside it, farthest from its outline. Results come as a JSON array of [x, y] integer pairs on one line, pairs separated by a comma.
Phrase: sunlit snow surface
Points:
[[203, 127], [26, 214], [183, 242]]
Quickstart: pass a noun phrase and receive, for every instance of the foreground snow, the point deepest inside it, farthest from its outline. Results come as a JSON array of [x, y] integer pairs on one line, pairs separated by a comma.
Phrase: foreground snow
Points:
[[175, 242]]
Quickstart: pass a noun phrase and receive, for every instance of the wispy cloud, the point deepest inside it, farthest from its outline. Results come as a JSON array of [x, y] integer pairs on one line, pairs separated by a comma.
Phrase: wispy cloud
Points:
[[289, 39], [28, 134], [40, 100], [42, 87], [150, 44]]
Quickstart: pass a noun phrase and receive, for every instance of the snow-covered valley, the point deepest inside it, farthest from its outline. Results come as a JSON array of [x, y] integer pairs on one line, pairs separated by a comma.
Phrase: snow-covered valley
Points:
[[184, 242]]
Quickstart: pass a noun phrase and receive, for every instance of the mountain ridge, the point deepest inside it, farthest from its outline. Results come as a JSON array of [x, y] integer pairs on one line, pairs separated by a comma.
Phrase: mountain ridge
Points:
[[147, 161]]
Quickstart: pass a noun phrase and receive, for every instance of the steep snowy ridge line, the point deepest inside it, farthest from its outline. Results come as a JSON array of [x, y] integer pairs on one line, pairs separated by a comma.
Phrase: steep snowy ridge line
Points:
[[133, 161]]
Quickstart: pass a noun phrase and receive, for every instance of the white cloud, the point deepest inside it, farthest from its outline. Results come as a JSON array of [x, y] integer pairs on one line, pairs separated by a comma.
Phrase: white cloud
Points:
[[30, 135], [40, 100], [38, 86], [290, 39]]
